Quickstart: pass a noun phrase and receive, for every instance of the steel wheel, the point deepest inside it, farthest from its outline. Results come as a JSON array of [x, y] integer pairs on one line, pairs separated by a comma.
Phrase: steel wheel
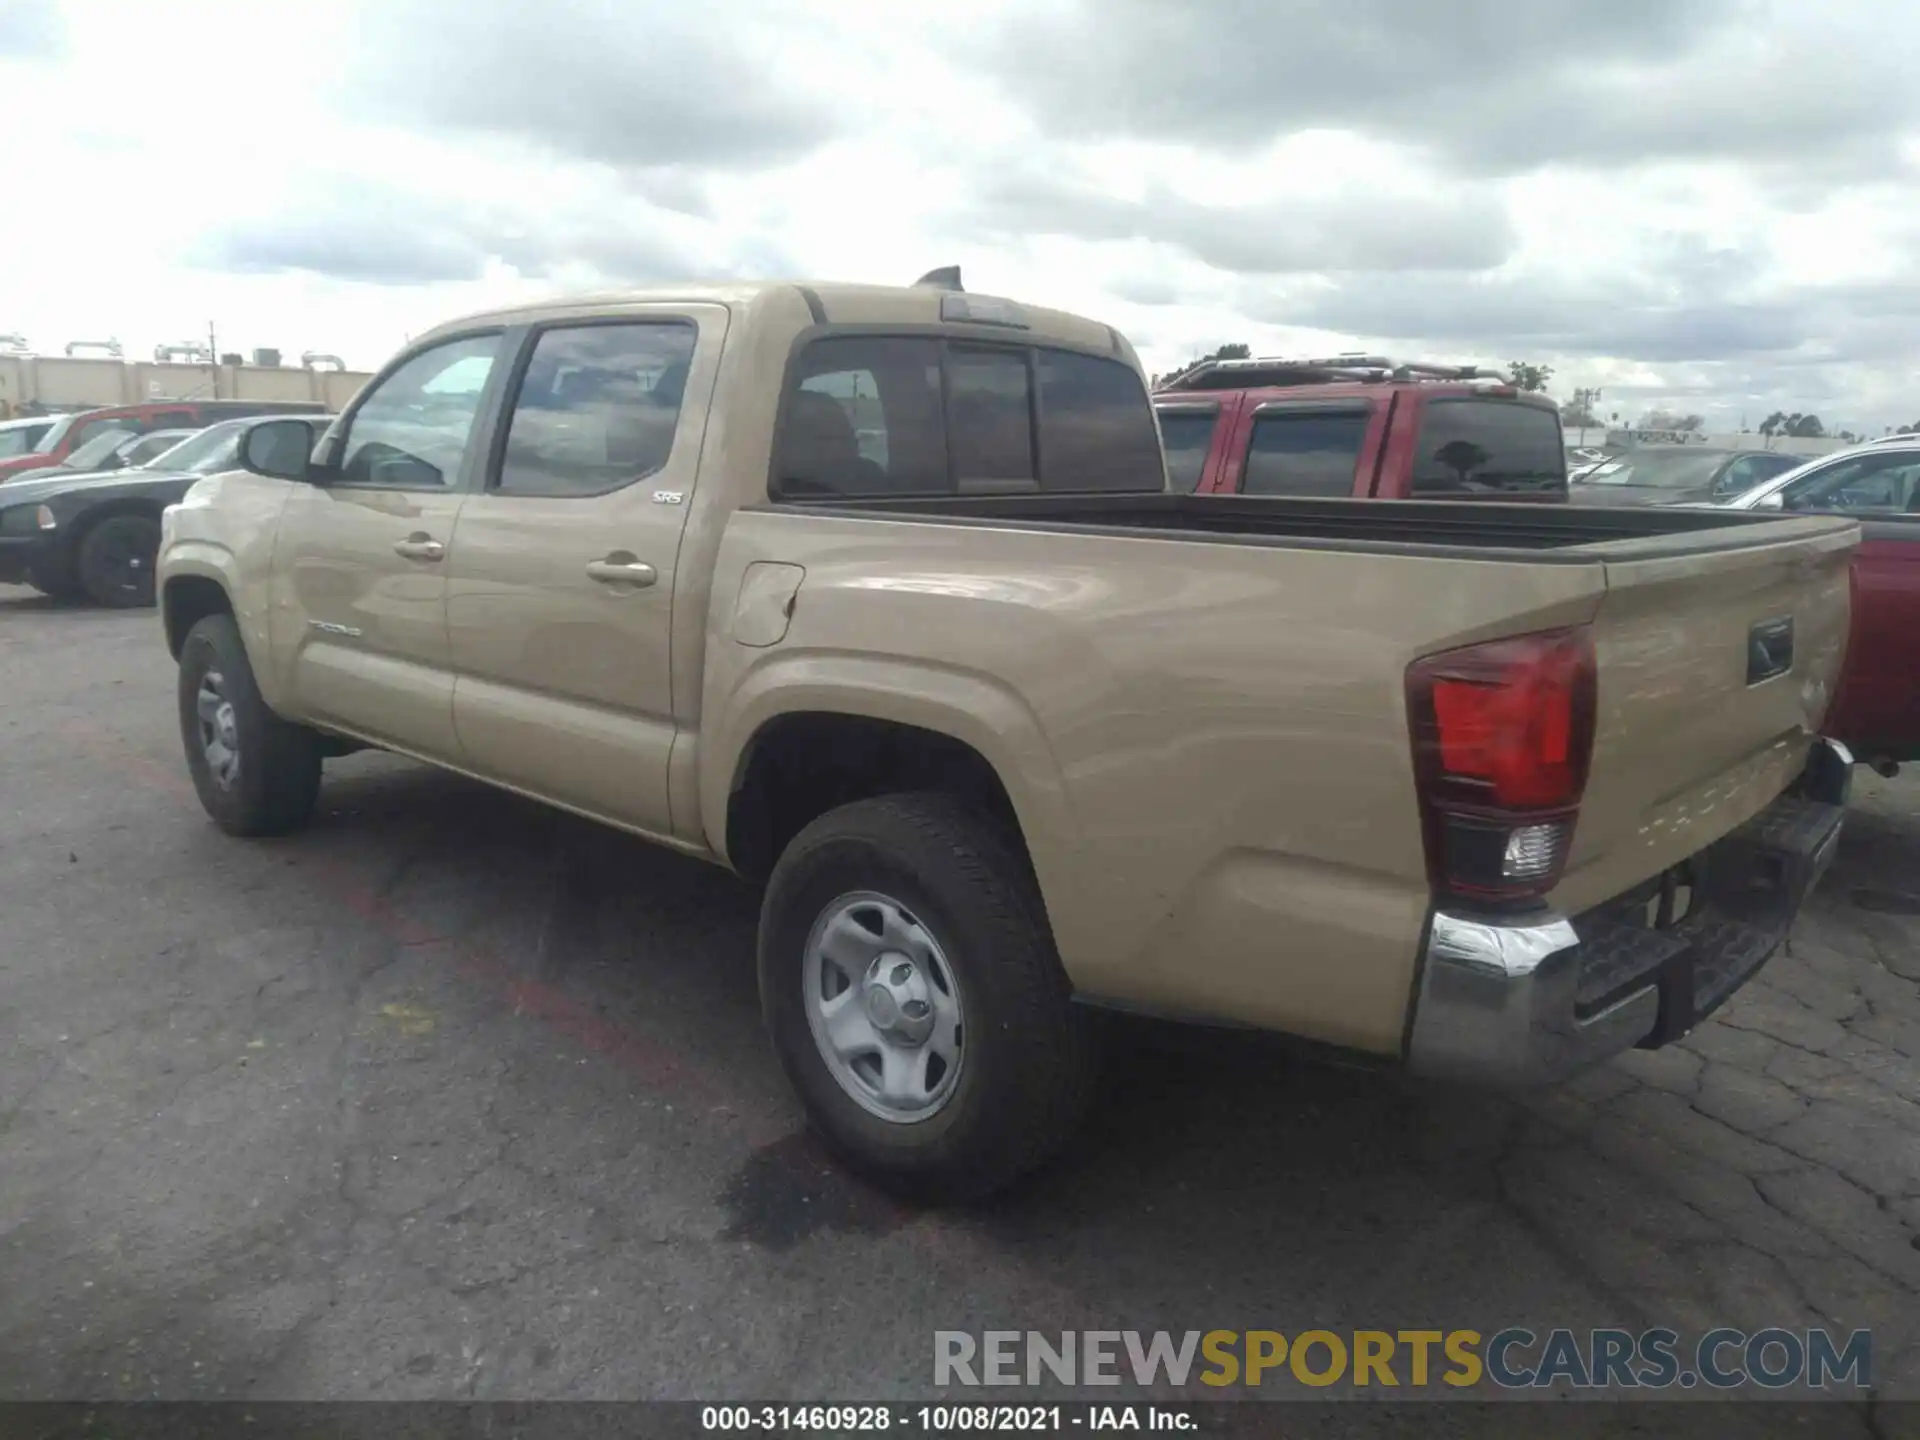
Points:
[[122, 565], [116, 559], [884, 1007], [219, 731]]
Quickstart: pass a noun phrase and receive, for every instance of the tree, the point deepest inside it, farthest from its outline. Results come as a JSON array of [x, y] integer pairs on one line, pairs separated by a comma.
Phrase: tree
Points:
[[1672, 420], [1524, 376], [1796, 424], [1463, 457], [1578, 411]]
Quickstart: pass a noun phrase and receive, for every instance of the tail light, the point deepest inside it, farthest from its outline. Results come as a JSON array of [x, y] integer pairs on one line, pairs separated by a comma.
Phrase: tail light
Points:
[[1502, 736]]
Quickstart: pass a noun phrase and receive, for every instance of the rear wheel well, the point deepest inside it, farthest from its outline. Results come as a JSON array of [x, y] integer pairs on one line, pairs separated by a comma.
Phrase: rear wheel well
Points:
[[798, 767], [188, 600]]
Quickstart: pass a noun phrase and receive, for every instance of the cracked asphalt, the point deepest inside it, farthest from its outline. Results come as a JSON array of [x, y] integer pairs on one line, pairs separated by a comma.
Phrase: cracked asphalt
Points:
[[452, 1096]]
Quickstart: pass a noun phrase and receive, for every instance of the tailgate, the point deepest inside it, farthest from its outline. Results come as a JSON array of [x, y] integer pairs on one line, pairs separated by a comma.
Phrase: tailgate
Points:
[[1718, 655]]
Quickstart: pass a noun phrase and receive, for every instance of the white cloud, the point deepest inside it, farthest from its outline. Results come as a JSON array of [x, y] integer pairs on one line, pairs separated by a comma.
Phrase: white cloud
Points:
[[1708, 204]]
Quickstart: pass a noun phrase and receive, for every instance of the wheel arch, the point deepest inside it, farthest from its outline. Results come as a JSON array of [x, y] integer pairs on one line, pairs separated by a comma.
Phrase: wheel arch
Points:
[[792, 747], [185, 600]]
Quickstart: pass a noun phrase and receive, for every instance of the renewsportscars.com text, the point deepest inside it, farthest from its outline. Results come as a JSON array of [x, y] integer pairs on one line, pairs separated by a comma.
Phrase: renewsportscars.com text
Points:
[[1513, 1358]]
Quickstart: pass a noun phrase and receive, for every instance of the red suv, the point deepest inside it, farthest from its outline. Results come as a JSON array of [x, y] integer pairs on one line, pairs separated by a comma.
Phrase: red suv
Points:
[[1358, 425], [69, 432]]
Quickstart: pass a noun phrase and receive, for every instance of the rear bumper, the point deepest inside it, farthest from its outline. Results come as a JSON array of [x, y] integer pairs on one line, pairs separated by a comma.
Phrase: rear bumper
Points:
[[1532, 1000]]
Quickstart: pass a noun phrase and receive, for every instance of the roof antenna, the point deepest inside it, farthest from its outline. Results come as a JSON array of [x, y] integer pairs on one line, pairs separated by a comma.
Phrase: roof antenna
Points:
[[947, 277]]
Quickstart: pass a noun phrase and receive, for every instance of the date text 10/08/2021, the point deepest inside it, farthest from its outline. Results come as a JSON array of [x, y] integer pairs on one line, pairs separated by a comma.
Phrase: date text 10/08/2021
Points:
[[946, 1419]]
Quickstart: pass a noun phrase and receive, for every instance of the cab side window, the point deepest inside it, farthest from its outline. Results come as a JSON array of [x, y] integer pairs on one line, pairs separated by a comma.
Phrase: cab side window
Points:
[[413, 430], [597, 408]]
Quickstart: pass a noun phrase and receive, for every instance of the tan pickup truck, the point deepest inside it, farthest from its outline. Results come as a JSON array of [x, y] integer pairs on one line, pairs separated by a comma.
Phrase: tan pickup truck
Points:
[[878, 595]]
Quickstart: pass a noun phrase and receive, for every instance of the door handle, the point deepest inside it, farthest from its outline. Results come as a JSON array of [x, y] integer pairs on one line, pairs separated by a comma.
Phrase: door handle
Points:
[[621, 572], [420, 546]]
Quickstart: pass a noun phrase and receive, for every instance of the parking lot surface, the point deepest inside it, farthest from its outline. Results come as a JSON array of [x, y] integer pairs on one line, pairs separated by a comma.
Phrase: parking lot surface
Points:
[[455, 1096]]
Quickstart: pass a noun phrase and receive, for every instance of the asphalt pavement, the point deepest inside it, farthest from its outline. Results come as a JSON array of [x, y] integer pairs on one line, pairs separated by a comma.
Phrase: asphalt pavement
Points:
[[454, 1096]]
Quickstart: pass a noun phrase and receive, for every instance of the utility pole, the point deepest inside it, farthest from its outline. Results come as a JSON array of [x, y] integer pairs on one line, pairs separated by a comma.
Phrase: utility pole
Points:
[[213, 353], [1584, 401]]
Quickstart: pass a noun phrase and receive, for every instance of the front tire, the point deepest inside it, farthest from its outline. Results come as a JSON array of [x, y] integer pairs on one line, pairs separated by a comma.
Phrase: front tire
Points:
[[55, 583], [909, 980], [116, 561], [256, 774]]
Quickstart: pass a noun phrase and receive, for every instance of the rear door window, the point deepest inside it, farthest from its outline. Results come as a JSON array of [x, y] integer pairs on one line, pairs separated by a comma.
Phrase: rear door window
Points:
[[1305, 452], [1187, 437], [864, 417], [1477, 447]]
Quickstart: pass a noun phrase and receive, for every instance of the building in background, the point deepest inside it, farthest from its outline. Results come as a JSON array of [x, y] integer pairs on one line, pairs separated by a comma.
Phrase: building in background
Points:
[[44, 384]]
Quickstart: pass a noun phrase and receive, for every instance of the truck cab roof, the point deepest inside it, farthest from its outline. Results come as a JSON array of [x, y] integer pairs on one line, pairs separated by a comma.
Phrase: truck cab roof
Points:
[[832, 303]]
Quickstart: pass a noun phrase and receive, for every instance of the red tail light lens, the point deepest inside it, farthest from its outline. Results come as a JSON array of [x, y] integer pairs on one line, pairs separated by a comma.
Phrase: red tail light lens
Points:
[[1502, 736]]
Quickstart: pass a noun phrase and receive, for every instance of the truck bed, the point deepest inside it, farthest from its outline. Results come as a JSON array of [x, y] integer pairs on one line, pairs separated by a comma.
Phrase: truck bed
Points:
[[1457, 529]]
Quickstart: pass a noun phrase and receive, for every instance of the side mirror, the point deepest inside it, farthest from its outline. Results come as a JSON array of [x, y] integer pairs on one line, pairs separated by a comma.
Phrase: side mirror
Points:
[[1776, 501], [280, 450]]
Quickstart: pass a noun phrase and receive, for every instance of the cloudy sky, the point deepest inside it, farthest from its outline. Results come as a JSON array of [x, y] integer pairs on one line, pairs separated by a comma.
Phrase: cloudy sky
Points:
[[1709, 204]]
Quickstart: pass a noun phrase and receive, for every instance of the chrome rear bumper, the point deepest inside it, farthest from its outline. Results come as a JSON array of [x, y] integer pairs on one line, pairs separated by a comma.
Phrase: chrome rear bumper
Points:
[[1533, 999]]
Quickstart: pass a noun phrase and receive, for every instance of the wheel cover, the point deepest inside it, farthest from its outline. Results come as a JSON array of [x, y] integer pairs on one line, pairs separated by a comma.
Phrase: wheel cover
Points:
[[219, 729], [884, 1007]]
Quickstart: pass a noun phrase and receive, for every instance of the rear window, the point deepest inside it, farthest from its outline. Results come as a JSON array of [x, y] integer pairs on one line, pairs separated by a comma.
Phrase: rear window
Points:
[[875, 415], [990, 419], [1476, 447], [1187, 437], [1096, 426], [1304, 452]]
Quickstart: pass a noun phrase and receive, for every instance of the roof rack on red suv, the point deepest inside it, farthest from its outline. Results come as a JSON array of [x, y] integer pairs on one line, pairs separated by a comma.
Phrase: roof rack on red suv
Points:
[[1334, 369]]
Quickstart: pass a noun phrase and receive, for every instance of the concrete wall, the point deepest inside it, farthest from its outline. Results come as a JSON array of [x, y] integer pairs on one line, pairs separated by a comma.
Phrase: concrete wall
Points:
[[1785, 444], [61, 383]]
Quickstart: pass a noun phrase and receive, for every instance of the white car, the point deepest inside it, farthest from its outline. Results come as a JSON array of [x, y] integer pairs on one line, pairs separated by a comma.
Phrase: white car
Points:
[[1881, 477]]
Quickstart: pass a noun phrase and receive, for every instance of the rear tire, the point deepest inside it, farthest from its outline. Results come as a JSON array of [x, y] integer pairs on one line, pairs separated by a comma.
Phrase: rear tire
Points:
[[256, 774], [116, 561], [934, 871]]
